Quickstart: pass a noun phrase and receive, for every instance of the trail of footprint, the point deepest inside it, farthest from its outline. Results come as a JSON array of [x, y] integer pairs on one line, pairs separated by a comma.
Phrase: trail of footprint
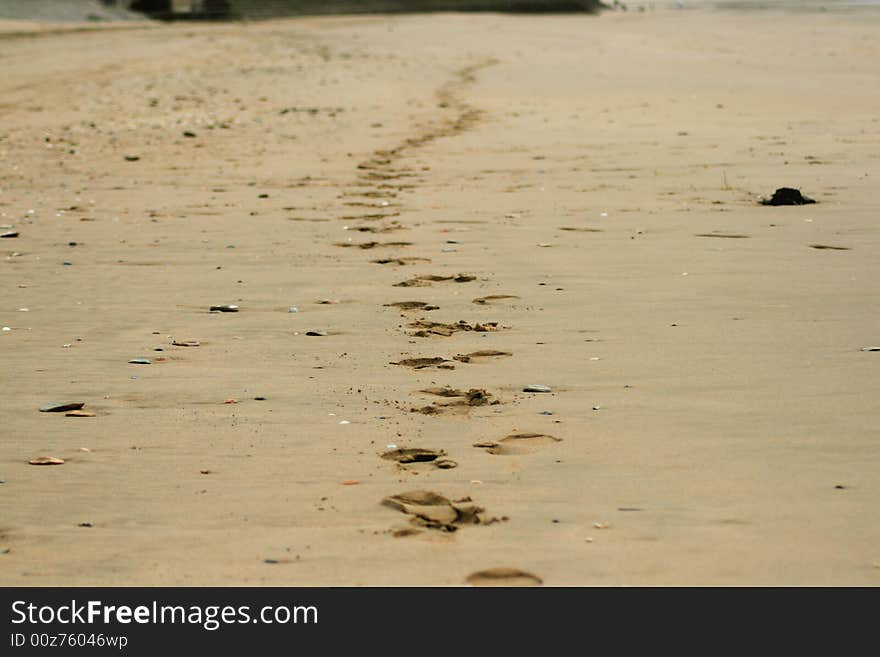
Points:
[[503, 577], [518, 443]]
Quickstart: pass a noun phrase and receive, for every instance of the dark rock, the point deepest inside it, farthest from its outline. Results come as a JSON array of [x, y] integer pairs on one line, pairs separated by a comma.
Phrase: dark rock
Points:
[[787, 196]]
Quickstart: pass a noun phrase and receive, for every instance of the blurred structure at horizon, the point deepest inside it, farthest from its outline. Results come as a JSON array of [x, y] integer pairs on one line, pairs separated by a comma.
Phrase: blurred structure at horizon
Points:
[[276, 8]]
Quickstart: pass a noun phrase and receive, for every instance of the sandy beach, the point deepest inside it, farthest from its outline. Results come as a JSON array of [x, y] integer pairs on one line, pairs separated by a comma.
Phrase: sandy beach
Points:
[[571, 201]]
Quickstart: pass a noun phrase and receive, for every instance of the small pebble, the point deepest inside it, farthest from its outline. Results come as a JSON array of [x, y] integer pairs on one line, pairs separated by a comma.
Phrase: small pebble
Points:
[[293, 309], [537, 387], [870, 348], [259, 399], [317, 333], [224, 309], [545, 413], [139, 361]]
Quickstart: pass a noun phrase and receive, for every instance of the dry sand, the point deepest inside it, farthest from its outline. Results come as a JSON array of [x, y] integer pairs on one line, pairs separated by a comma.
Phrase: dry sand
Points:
[[717, 416]]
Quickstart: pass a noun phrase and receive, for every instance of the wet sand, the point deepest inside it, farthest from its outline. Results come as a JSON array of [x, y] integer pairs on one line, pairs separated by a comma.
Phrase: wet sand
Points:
[[713, 413]]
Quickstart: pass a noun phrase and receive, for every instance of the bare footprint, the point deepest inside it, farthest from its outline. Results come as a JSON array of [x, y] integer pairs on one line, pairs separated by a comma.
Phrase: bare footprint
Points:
[[426, 280], [377, 229], [427, 329], [412, 305], [482, 355], [401, 262], [421, 363], [370, 245], [503, 577], [494, 297], [409, 455], [434, 511], [518, 443], [461, 401]]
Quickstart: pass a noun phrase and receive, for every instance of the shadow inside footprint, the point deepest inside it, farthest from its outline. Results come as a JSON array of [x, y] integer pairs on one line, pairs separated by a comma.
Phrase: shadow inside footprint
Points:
[[518, 443], [503, 577]]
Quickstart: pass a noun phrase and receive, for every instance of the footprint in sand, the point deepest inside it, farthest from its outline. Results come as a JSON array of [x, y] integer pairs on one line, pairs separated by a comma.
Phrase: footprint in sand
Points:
[[481, 356], [829, 247], [425, 281], [377, 229], [503, 577], [461, 401], [434, 511], [729, 236], [374, 216], [370, 245], [427, 329], [493, 297], [410, 455], [421, 363], [518, 443], [412, 305], [401, 262]]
